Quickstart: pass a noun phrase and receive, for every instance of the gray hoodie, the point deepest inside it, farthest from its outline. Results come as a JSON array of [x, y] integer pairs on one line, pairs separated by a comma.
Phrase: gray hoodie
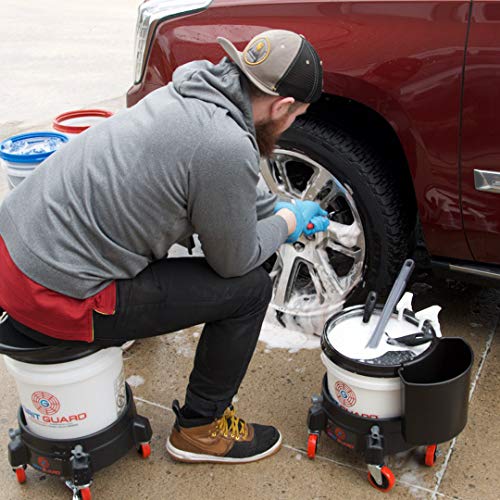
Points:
[[183, 160]]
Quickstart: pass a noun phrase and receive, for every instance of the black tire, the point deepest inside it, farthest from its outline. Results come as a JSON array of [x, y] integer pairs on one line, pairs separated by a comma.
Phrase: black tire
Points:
[[385, 207]]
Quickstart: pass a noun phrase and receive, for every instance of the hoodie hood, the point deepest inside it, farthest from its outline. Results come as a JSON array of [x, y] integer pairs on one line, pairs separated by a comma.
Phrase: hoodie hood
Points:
[[222, 84]]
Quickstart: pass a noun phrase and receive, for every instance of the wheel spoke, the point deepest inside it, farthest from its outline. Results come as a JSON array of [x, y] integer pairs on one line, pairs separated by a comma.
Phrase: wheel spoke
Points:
[[318, 285], [332, 283], [316, 183], [267, 174], [283, 174], [349, 280], [354, 253], [286, 278]]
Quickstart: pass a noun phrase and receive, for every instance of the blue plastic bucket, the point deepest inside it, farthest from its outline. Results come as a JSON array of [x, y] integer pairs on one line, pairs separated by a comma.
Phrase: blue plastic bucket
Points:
[[21, 154]]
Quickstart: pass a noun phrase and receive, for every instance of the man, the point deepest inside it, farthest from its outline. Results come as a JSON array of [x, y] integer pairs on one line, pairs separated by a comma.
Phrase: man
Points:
[[84, 239]]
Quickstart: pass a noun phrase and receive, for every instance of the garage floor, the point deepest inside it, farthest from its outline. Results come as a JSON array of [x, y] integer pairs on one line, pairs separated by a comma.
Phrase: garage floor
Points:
[[277, 390]]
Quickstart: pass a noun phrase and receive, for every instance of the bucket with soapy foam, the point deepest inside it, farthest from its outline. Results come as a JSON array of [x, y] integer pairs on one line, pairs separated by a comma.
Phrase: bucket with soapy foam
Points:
[[365, 381], [73, 123], [413, 373], [21, 154]]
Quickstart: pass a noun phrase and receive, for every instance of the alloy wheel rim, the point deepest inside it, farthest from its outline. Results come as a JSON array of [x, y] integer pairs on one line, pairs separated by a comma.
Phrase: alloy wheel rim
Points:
[[313, 277]]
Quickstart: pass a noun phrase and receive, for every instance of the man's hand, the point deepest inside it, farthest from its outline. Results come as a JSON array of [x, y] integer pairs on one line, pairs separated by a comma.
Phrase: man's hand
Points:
[[317, 224], [310, 209], [290, 219], [304, 212], [288, 210]]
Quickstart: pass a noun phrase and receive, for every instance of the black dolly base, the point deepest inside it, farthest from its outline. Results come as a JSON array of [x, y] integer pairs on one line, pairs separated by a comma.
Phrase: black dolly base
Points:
[[372, 438], [75, 460]]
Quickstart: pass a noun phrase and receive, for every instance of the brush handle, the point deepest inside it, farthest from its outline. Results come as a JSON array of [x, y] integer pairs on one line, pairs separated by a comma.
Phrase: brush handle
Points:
[[396, 292], [370, 303]]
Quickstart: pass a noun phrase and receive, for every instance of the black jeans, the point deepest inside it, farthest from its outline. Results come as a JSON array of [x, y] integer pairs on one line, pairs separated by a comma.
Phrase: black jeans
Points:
[[173, 294], [176, 293]]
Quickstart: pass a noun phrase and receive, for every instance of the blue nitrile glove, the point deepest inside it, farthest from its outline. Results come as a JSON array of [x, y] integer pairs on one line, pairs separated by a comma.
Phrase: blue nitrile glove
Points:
[[301, 223], [304, 212], [319, 223], [310, 209]]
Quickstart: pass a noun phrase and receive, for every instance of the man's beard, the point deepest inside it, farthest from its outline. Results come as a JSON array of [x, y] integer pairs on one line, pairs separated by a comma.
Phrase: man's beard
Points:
[[267, 135]]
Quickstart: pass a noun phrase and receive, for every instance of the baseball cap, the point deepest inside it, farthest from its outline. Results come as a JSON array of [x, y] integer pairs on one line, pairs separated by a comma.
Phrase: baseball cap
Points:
[[280, 63]]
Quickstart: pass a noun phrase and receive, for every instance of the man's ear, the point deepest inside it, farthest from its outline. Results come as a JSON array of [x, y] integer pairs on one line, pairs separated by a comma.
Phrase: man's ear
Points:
[[280, 107]]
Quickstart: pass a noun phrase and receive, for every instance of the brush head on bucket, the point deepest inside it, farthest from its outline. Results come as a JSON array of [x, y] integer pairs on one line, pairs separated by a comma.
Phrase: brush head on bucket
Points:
[[393, 358]]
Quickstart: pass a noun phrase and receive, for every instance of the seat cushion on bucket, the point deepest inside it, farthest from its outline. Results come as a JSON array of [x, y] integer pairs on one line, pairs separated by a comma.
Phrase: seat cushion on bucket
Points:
[[19, 346], [11, 337]]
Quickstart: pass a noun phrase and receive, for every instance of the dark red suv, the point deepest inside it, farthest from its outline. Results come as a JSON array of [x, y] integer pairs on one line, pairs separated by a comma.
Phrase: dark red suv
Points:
[[405, 140]]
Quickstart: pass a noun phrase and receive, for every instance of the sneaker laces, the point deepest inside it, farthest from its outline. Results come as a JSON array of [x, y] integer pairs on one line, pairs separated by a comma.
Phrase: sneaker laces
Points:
[[231, 425]]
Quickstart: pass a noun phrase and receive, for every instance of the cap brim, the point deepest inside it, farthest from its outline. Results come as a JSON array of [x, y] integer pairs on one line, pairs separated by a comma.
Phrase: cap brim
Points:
[[237, 58]]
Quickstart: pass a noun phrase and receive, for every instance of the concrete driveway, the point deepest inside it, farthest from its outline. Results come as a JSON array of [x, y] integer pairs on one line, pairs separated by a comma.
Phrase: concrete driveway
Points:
[[58, 57]]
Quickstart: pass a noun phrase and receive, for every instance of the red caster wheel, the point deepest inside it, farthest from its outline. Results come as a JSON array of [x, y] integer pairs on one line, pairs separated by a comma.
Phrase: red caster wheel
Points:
[[312, 445], [145, 450], [20, 474], [85, 494], [388, 479], [430, 455]]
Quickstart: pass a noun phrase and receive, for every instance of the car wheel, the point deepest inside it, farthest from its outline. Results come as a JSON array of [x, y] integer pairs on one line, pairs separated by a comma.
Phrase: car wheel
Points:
[[370, 231]]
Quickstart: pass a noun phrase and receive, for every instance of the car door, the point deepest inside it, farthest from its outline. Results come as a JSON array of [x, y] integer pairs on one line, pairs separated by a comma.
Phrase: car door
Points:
[[480, 152]]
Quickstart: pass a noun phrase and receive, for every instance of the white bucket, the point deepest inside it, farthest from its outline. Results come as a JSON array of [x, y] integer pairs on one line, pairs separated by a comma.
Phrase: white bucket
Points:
[[73, 399], [73, 123], [364, 380], [16, 175], [368, 397]]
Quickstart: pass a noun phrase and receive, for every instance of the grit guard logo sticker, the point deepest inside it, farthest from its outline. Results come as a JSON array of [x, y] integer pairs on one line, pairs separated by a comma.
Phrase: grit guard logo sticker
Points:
[[339, 433], [258, 52], [45, 403], [345, 394], [43, 462], [44, 465], [47, 406]]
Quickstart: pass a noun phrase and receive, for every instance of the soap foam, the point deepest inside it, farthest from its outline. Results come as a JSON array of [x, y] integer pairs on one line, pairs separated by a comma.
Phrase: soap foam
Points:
[[349, 337], [135, 380], [299, 331], [276, 336], [345, 235]]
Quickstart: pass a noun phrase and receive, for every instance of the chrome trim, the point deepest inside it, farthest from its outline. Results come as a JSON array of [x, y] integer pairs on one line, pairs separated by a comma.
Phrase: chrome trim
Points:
[[488, 272], [486, 180], [484, 273], [150, 15]]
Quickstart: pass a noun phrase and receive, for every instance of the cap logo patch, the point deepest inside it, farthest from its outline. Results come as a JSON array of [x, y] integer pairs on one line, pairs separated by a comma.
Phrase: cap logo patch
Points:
[[257, 52]]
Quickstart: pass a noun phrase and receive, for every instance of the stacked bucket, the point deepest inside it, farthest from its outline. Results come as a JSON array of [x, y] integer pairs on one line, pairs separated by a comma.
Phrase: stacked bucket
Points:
[[22, 154]]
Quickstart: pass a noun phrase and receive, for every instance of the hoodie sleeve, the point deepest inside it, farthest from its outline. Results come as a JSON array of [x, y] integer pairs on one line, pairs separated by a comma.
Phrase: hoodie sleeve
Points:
[[222, 206], [265, 203]]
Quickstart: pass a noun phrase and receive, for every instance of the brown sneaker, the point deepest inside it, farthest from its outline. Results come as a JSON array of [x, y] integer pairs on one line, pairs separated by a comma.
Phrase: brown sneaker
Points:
[[225, 440]]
